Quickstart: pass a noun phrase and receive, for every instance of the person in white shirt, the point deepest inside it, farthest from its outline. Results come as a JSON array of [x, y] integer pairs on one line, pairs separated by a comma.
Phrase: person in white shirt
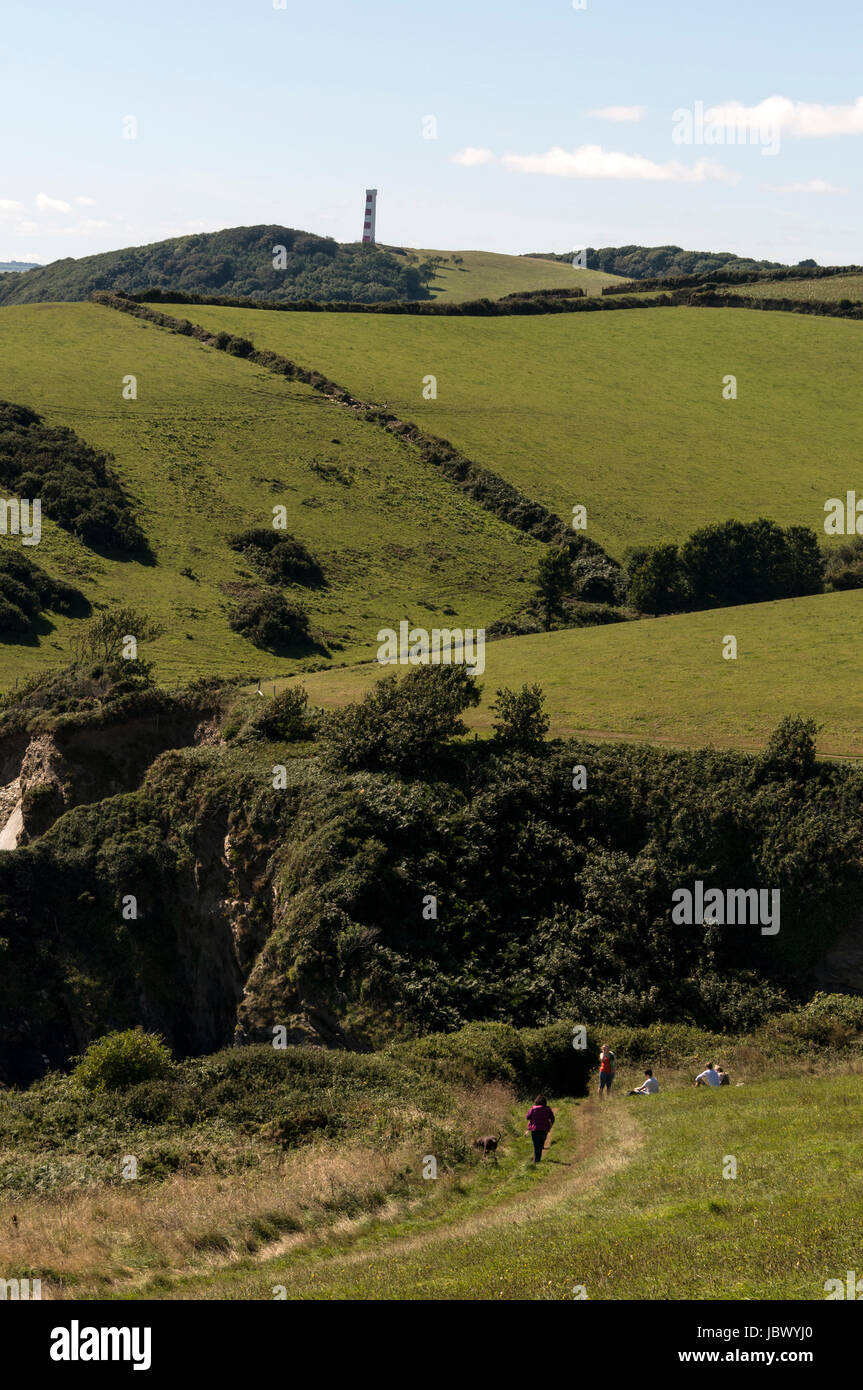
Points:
[[648, 1087], [709, 1077]]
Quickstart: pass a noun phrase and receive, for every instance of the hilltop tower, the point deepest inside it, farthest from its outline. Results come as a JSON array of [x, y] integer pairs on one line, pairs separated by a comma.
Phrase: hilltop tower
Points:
[[369, 222]]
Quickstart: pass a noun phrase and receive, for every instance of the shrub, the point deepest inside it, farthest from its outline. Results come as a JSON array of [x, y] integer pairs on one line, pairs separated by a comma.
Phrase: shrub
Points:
[[119, 1061], [278, 557], [75, 483], [400, 724], [25, 589], [285, 717], [269, 620], [522, 721]]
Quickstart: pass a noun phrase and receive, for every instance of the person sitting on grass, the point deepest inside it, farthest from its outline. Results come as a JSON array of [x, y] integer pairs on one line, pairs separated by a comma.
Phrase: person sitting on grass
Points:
[[724, 1078], [540, 1118], [709, 1077], [648, 1087]]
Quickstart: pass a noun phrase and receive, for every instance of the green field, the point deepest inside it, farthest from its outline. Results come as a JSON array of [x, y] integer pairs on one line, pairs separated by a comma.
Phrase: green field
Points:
[[209, 447], [828, 287], [631, 1202], [665, 680], [490, 275], [620, 411]]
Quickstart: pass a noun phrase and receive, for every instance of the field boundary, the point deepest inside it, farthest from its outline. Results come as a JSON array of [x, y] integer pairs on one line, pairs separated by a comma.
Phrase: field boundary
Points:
[[487, 489]]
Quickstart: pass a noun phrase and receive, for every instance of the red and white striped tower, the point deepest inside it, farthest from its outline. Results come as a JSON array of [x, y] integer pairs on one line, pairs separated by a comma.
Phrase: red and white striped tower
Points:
[[369, 222]]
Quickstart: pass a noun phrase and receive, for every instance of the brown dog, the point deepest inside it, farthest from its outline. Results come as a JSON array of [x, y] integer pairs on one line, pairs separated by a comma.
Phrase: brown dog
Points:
[[488, 1144]]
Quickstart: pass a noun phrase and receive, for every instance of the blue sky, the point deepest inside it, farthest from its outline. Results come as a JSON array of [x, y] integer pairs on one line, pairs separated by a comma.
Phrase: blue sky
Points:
[[250, 113]]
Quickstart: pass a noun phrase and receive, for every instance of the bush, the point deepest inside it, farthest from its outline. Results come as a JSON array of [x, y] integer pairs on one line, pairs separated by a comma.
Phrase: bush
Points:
[[25, 589], [278, 557], [269, 620], [75, 483], [522, 722], [119, 1061], [285, 717], [400, 725]]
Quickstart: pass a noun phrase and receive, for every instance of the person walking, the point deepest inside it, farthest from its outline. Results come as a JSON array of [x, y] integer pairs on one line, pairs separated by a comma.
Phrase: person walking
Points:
[[607, 1062], [540, 1118]]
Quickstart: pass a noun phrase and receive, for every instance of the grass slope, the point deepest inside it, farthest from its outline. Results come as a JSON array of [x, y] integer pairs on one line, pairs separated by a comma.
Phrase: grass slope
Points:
[[666, 680], [622, 412], [209, 447], [490, 275], [631, 1202], [828, 287]]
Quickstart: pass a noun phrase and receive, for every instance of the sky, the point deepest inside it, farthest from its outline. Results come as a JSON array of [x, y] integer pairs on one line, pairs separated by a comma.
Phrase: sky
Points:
[[544, 125]]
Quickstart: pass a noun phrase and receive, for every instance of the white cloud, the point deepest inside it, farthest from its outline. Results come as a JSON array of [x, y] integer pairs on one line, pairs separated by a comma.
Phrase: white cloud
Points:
[[593, 162], [803, 119], [810, 186], [86, 202], [46, 204], [472, 156], [9, 205], [619, 113]]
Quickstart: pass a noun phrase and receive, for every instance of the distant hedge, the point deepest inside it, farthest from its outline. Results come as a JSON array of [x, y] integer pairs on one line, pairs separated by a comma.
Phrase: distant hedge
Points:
[[731, 277], [530, 302], [822, 308]]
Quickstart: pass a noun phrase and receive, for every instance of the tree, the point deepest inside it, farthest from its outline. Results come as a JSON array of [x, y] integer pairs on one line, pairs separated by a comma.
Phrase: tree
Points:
[[657, 583], [791, 750], [103, 639], [522, 722], [554, 580], [402, 724]]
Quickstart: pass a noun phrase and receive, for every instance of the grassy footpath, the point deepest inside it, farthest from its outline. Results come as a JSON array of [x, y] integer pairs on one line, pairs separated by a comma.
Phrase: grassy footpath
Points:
[[665, 680], [622, 412], [632, 1204]]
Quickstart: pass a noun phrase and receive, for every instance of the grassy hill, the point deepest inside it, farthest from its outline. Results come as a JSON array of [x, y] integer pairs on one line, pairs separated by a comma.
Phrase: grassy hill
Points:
[[490, 275], [665, 680], [828, 287], [622, 412], [209, 447], [237, 261]]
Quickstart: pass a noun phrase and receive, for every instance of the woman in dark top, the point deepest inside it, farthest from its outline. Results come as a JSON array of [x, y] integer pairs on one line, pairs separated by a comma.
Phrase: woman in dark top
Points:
[[540, 1119]]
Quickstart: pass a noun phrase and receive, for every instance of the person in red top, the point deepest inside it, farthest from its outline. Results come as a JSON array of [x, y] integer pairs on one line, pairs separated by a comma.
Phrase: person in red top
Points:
[[607, 1062], [540, 1118]]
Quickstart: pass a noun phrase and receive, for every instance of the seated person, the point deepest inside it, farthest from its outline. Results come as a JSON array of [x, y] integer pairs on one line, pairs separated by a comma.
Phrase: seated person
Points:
[[648, 1087], [724, 1078], [709, 1077]]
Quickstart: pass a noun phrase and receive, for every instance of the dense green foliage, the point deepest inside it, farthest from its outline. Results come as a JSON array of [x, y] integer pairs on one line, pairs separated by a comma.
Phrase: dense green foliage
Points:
[[645, 262], [460, 882], [843, 567], [268, 619], [236, 261], [278, 557], [725, 565], [73, 481], [26, 591], [400, 725], [119, 1061]]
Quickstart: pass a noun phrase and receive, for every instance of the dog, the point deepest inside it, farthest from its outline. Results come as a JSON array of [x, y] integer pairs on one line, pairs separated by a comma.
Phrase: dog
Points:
[[488, 1145]]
